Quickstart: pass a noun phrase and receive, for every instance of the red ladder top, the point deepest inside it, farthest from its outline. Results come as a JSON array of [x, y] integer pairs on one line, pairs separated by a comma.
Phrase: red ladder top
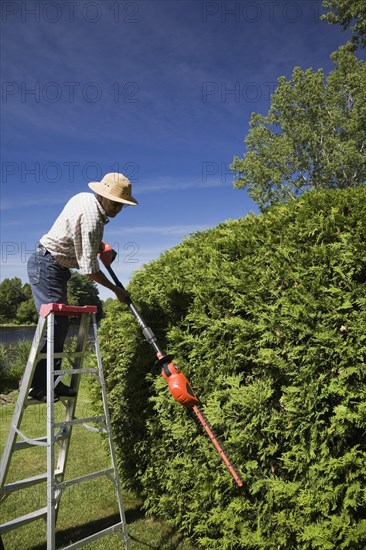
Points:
[[63, 309]]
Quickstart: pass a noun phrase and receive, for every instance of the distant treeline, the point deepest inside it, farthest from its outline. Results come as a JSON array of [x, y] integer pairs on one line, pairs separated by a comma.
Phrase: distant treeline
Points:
[[16, 301]]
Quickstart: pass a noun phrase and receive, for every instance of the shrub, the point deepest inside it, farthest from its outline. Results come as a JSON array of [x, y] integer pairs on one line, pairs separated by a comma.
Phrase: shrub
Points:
[[4, 361], [13, 360], [266, 317], [26, 312]]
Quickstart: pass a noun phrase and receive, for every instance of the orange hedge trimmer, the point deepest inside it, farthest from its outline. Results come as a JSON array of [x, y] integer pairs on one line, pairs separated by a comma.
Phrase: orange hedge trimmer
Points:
[[178, 384]]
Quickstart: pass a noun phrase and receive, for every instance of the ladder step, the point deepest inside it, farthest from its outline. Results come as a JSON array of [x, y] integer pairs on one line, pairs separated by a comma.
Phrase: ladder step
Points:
[[86, 477], [27, 482], [80, 421], [117, 527], [76, 371], [29, 401], [65, 309], [22, 520], [64, 354]]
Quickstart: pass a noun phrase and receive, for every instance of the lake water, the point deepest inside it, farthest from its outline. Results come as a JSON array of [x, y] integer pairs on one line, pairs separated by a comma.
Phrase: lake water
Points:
[[12, 335]]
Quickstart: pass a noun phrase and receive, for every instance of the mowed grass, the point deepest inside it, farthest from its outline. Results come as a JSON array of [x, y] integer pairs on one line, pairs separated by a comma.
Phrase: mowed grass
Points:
[[84, 508]]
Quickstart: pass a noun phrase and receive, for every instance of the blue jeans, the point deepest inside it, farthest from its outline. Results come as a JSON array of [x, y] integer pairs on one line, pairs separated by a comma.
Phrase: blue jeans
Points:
[[48, 282]]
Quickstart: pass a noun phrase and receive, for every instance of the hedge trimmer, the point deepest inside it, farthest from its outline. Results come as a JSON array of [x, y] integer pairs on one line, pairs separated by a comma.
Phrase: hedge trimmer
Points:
[[178, 384]]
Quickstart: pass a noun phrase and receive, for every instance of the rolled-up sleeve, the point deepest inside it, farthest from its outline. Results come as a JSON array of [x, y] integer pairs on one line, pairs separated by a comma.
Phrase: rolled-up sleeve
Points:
[[74, 238], [87, 239]]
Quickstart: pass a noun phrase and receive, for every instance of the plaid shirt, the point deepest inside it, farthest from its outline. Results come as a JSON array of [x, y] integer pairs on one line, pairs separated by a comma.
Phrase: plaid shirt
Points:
[[74, 238]]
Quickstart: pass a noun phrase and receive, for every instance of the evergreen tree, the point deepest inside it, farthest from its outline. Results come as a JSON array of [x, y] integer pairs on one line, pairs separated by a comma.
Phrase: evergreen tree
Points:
[[266, 316]]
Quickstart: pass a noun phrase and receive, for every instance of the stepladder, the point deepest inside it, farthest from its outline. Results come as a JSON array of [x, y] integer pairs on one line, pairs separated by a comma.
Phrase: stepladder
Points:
[[58, 422]]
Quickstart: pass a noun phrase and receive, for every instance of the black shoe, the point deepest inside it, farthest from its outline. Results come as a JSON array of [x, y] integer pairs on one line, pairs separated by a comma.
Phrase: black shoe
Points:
[[64, 391], [40, 395]]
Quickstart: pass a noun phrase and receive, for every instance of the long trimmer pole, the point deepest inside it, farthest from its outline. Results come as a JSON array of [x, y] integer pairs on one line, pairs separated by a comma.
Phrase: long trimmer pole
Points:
[[146, 331], [178, 385], [201, 417]]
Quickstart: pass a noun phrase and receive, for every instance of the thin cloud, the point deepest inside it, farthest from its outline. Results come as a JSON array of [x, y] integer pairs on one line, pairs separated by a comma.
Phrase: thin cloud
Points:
[[27, 202], [173, 184], [180, 230]]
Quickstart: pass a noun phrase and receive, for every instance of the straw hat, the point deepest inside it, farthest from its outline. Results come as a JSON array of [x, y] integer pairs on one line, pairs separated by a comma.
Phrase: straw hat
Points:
[[116, 187]]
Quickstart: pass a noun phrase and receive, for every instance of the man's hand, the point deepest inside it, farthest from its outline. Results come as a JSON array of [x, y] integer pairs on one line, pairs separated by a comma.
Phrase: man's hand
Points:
[[101, 279], [122, 294]]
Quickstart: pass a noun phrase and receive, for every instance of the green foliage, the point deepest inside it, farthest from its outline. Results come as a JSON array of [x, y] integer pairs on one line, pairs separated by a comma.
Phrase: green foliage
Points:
[[16, 302], [19, 354], [12, 362], [10, 298], [266, 316], [82, 291], [17, 305], [26, 312], [350, 14], [313, 136], [4, 361]]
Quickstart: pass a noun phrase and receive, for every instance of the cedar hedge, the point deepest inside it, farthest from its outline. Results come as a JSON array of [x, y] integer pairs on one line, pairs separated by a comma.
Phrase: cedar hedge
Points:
[[266, 316]]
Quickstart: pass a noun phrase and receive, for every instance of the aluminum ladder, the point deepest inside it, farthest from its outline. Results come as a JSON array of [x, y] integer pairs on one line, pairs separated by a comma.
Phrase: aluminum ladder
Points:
[[59, 432]]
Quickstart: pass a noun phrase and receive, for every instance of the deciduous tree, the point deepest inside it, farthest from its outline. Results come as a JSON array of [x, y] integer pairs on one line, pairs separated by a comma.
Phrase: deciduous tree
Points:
[[314, 135], [26, 312], [82, 291], [350, 14], [11, 297]]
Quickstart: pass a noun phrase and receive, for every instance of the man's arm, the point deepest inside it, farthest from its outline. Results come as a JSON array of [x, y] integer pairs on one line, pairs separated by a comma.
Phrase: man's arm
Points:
[[101, 279]]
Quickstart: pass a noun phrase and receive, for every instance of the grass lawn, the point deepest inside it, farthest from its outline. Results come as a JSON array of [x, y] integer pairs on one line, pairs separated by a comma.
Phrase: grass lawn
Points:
[[85, 508]]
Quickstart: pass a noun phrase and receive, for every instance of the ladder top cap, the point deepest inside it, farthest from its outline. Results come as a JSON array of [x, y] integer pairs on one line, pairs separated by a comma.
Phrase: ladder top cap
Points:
[[63, 309]]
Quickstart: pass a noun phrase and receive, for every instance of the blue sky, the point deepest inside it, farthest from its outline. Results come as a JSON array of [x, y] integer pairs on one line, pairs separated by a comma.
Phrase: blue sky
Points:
[[159, 90]]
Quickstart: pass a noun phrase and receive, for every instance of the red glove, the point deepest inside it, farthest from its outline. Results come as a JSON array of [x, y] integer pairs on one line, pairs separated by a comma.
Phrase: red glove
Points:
[[106, 254]]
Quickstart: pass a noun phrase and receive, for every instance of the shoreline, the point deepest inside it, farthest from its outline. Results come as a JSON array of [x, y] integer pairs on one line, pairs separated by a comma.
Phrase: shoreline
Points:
[[10, 325]]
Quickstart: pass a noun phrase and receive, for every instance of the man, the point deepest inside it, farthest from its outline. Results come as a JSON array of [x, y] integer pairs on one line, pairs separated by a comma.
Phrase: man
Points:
[[73, 242]]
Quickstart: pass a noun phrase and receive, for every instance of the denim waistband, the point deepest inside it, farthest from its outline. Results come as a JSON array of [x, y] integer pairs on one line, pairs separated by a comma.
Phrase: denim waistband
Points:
[[42, 249]]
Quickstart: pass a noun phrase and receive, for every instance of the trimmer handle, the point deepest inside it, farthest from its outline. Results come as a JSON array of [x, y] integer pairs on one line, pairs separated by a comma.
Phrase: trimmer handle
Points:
[[179, 386], [106, 254]]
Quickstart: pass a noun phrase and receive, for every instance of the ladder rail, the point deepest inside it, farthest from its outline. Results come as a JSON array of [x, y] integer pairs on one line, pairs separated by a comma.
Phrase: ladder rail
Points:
[[75, 383], [56, 465], [23, 393], [51, 477], [110, 437]]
